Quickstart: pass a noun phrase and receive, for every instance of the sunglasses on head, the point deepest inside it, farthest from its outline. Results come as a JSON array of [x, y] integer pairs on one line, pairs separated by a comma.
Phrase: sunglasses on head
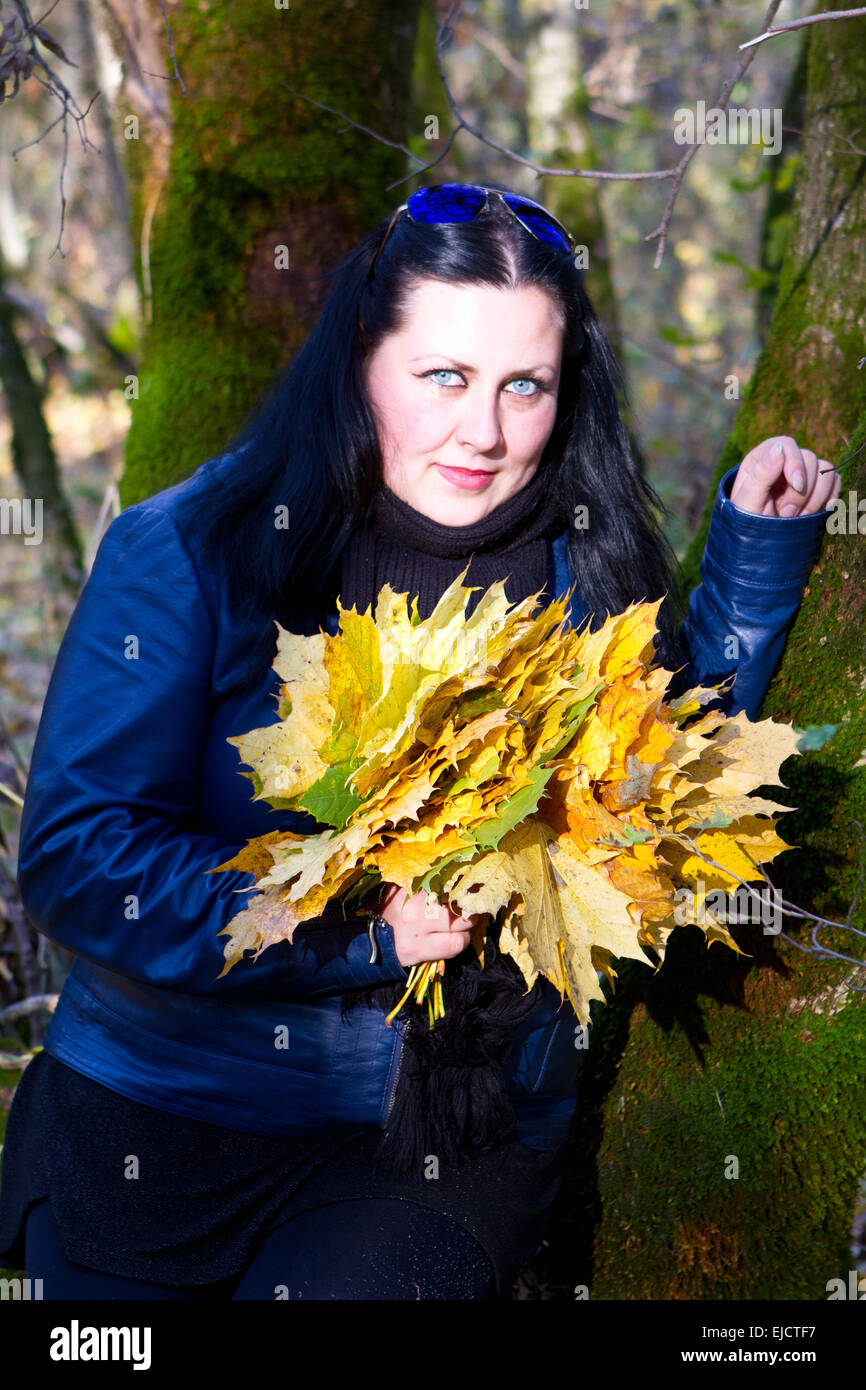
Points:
[[447, 203]]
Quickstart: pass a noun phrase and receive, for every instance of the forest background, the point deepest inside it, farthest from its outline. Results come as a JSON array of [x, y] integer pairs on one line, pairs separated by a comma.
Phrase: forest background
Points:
[[153, 156]]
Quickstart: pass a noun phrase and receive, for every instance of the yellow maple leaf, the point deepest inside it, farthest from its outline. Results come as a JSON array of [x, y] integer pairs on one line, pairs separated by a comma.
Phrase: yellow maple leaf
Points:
[[525, 773]]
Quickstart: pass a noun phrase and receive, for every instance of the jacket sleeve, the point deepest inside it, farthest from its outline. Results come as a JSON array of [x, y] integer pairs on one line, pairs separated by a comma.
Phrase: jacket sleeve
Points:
[[753, 574], [108, 865]]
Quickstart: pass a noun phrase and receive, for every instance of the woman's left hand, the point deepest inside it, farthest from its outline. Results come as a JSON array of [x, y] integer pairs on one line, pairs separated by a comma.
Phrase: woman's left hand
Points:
[[778, 478]]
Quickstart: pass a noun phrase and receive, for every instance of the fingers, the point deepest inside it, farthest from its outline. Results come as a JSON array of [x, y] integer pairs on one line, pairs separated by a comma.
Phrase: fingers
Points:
[[827, 486], [778, 478], [445, 945], [428, 931], [757, 475]]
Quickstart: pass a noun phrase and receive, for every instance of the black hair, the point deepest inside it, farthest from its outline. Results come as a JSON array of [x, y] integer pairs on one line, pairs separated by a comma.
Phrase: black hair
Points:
[[311, 445]]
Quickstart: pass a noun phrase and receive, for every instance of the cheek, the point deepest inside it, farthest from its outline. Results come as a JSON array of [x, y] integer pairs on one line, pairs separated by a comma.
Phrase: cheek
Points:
[[528, 431], [417, 423], [391, 410]]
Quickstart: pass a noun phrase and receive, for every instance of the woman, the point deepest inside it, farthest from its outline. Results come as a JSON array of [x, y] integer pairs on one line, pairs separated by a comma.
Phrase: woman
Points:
[[263, 1133]]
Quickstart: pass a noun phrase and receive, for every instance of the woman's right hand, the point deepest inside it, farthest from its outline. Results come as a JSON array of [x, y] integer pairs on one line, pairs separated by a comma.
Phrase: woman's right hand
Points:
[[420, 935]]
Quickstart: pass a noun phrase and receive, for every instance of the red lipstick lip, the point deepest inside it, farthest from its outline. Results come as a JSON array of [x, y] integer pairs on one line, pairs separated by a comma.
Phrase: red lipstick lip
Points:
[[458, 468]]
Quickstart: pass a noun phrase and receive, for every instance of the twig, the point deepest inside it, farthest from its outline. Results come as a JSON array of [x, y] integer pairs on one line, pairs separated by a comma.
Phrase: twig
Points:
[[689, 372], [722, 105], [21, 59], [771, 33], [822, 136], [445, 32], [790, 910], [171, 47], [13, 796], [394, 144], [540, 169], [675, 174]]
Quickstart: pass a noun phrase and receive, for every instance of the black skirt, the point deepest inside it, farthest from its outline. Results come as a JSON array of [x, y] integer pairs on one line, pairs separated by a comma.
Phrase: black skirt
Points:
[[142, 1193]]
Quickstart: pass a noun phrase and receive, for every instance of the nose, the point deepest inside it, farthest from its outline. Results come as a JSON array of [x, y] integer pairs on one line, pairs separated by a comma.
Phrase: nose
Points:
[[479, 428]]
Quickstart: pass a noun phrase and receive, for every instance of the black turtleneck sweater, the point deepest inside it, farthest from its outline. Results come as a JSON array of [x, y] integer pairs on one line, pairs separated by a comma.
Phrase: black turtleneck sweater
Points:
[[400, 546]]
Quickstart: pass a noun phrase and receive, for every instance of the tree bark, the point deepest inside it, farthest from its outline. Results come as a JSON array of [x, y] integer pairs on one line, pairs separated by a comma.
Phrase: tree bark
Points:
[[759, 1059], [243, 195], [36, 466]]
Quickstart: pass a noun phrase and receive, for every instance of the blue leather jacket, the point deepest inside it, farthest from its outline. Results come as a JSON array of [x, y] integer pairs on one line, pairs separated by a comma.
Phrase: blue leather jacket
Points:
[[134, 792]]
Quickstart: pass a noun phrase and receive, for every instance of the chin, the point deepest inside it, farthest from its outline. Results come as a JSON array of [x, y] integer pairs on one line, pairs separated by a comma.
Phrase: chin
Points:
[[456, 511]]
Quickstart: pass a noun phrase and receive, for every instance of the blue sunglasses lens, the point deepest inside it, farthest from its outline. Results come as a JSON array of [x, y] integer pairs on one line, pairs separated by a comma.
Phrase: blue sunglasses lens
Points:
[[450, 202], [540, 223], [456, 202]]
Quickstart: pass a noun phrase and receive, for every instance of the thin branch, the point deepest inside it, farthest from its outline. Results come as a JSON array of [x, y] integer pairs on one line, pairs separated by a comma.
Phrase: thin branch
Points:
[[21, 59], [771, 33], [675, 174], [787, 909], [499, 51], [541, 170], [822, 136], [722, 105], [791, 911], [10, 1061], [444, 35], [171, 47], [394, 144]]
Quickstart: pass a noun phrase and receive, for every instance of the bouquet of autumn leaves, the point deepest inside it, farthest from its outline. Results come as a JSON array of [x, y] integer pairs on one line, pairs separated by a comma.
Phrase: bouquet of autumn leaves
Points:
[[510, 765]]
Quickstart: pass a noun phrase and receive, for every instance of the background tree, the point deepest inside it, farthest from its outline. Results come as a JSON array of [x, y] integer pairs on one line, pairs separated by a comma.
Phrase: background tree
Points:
[[760, 1058], [243, 196], [244, 193]]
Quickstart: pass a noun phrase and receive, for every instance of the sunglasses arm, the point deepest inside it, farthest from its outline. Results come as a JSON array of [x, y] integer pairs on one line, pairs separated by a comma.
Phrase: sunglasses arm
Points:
[[395, 214]]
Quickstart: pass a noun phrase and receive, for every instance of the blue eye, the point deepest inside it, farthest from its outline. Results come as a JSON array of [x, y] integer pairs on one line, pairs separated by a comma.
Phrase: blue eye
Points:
[[539, 386]]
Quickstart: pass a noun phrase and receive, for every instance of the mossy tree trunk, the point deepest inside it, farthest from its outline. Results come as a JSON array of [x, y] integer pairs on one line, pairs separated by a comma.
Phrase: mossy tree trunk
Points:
[[759, 1059], [36, 467], [243, 195]]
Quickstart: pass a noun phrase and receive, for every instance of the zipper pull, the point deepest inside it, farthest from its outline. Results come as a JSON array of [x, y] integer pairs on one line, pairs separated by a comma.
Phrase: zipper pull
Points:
[[374, 940]]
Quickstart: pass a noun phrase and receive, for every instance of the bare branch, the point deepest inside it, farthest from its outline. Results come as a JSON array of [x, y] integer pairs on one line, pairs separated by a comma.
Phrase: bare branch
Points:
[[20, 59], [675, 174], [722, 105], [771, 33], [394, 144], [444, 35], [171, 47]]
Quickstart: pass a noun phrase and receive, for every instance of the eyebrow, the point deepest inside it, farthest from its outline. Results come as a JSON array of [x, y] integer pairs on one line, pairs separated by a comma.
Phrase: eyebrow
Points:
[[464, 366]]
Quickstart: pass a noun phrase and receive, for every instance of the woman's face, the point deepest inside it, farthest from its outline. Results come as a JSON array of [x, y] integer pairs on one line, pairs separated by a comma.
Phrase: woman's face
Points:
[[465, 396]]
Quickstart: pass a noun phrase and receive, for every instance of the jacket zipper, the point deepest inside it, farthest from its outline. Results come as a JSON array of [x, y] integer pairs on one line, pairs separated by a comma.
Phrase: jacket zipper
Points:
[[397, 1072]]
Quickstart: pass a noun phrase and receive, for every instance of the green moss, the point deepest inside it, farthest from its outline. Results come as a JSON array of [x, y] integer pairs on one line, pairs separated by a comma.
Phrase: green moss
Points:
[[770, 1093], [758, 1057], [251, 167]]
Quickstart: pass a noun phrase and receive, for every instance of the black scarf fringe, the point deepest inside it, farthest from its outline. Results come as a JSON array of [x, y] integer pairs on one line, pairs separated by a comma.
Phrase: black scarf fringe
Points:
[[451, 1101]]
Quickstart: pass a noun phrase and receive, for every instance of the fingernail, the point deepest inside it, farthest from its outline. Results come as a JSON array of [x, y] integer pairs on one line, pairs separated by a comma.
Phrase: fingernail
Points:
[[799, 481], [777, 449], [788, 510]]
